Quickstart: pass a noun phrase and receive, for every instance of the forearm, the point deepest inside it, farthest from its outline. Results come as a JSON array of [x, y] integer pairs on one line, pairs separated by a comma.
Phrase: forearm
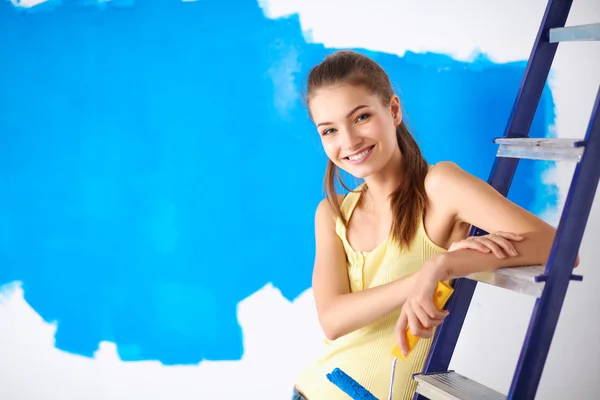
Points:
[[533, 250], [349, 312]]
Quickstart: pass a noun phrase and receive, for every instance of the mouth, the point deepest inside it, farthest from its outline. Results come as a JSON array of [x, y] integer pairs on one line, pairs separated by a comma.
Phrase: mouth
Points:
[[360, 156]]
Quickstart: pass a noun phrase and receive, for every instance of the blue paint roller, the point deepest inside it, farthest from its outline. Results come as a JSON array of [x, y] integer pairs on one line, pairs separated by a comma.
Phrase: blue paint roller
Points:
[[352, 388]]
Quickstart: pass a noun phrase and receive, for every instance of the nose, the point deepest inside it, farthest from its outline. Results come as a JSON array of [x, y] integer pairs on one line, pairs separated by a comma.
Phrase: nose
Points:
[[350, 140]]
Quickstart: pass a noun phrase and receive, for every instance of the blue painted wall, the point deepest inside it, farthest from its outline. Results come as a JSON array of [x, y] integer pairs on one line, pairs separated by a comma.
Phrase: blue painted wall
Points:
[[155, 169]]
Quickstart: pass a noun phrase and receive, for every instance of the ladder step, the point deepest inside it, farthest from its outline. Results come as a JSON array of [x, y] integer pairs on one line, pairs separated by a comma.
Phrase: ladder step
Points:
[[589, 32], [453, 386], [520, 279], [528, 280], [561, 149]]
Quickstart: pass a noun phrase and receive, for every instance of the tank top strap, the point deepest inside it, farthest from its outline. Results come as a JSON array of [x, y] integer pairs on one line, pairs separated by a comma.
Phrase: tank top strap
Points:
[[348, 205]]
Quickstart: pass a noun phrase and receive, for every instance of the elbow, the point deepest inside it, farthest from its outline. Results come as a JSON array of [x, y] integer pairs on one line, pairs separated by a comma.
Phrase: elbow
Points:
[[330, 327], [542, 242], [331, 334], [330, 330], [548, 239]]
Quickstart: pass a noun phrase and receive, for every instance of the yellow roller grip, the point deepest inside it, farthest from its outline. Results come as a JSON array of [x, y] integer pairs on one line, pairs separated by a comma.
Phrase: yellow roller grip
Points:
[[441, 296]]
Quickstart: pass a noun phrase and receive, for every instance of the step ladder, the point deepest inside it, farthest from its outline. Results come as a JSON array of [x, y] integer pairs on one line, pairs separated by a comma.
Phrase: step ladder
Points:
[[547, 283]]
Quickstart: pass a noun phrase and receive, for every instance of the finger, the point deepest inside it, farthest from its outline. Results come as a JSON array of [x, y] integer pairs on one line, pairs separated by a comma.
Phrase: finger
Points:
[[399, 324], [432, 312], [401, 333], [421, 331], [425, 320], [426, 333], [490, 244], [457, 246], [510, 235], [469, 244], [477, 245], [414, 325], [505, 244]]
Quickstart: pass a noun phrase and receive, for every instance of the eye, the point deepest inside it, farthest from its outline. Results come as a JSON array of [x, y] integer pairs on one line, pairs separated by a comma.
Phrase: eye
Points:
[[363, 117], [327, 131]]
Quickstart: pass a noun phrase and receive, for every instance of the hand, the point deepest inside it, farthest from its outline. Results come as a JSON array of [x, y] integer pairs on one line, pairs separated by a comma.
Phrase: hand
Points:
[[418, 311], [498, 243]]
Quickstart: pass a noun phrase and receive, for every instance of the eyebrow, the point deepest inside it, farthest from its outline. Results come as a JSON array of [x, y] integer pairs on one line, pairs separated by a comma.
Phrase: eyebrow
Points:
[[355, 109]]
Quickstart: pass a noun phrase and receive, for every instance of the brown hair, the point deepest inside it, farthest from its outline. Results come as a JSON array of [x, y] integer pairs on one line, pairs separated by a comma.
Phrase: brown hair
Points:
[[409, 199]]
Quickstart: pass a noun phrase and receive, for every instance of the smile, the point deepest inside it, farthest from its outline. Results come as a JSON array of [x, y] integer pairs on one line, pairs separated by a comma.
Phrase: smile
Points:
[[360, 157]]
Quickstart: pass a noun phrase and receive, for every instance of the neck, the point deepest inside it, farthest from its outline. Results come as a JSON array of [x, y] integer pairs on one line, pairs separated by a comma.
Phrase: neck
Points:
[[385, 182]]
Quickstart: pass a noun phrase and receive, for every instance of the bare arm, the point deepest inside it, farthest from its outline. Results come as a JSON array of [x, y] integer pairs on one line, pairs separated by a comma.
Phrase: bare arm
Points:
[[475, 202], [466, 198], [340, 311]]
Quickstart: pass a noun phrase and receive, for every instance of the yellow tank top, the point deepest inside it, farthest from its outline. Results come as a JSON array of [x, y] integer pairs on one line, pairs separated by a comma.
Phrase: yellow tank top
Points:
[[365, 354]]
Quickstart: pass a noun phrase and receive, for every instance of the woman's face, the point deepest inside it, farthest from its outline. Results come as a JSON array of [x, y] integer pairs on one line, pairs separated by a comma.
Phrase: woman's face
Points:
[[357, 131]]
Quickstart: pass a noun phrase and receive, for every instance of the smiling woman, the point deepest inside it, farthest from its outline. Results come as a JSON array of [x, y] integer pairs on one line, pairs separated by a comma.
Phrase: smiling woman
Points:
[[382, 249], [359, 119]]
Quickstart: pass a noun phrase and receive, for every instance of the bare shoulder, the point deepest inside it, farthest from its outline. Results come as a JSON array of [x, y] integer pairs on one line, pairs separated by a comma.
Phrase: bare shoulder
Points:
[[455, 189], [474, 201], [325, 212], [444, 177]]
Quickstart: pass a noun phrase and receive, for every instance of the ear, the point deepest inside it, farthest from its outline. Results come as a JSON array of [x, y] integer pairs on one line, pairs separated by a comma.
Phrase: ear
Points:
[[396, 110]]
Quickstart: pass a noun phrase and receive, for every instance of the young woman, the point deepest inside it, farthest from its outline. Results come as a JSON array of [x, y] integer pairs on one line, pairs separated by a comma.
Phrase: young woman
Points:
[[381, 249]]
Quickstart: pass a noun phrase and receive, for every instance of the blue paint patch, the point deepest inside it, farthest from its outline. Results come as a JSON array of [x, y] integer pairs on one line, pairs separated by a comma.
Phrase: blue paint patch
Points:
[[157, 165]]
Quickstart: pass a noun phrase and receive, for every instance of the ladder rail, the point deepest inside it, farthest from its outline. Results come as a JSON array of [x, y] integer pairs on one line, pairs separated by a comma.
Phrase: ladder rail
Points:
[[537, 70], [529, 94], [501, 176], [560, 265]]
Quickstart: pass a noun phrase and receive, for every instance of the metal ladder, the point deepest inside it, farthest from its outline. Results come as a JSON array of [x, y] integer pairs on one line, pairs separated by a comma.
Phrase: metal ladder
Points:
[[548, 283]]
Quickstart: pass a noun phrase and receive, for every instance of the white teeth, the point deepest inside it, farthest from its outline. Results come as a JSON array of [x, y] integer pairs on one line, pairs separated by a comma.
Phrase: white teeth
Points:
[[360, 155]]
